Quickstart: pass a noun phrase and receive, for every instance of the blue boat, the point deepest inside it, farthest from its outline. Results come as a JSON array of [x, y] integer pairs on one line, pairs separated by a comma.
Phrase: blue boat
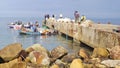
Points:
[[30, 33]]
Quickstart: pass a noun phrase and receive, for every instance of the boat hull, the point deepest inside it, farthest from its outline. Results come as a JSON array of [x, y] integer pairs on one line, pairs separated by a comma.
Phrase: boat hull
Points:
[[29, 33]]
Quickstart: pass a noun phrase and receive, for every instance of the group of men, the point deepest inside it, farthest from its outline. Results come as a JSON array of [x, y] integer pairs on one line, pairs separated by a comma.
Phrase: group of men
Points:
[[78, 19], [30, 27]]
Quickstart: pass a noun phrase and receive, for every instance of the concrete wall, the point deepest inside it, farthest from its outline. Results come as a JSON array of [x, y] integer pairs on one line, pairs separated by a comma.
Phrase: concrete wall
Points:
[[98, 35]]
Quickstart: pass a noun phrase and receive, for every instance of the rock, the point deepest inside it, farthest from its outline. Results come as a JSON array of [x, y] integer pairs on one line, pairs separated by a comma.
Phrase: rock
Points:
[[39, 58], [13, 64], [37, 47], [23, 54], [30, 65], [17, 64], [83, 54], [115, 53], [60, 63], [88, 65], [54, 66], [11, 51], [97, 65], [100, 52], [77, 63], [37, 55], [118, 66], [27, 59], [69, 58], [5, 65], [111, 63], [1, 60], [58, 52], [95, 60], [100, 66]]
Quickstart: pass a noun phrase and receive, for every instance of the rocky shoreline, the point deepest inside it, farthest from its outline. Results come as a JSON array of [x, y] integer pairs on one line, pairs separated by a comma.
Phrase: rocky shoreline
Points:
[[36, 56]]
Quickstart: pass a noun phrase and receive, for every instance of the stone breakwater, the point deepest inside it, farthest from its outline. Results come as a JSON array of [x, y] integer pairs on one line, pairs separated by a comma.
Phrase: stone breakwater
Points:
[[36, 56], [88, 32]]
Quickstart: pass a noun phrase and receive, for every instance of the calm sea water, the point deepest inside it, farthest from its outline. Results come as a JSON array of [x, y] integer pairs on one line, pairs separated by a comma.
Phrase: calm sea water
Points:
[[115, 21], [8, 36]]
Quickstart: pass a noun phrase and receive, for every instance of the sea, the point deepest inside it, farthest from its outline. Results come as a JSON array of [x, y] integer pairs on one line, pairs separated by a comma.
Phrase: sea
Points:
[[9, 36]]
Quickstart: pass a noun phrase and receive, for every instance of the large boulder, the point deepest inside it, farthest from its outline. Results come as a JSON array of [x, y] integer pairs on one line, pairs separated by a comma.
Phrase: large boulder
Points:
[[58, 52], [39, 58], [38, 55], [37, 47], [115, 53], [11, 51], [77, 63], [100, 52]]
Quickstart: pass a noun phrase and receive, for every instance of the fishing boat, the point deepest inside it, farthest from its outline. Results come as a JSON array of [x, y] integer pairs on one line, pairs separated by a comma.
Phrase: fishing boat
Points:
[[11, 25], [37, 31], [29, 33], [32, 33]]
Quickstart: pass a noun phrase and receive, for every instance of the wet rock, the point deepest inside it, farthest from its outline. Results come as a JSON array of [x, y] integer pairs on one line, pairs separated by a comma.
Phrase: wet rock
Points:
[[69, 58], [39, 58], [13, 64], [83, 54], [111, 63], [100, 52], [115, 53], [77, 63], [58, 52], [11, 51]]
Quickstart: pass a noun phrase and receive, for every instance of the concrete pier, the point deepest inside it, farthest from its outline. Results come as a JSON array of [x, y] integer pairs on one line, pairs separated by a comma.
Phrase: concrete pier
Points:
[[95, 35]]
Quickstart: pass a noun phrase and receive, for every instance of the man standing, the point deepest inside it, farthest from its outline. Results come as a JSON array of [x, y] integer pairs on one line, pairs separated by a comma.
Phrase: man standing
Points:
[[77, 17]]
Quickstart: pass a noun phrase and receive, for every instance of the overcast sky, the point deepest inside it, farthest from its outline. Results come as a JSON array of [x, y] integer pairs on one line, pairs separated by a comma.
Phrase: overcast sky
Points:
[[37, 8]]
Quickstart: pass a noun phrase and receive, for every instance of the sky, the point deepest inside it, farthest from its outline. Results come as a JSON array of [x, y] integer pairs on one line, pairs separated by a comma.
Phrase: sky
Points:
[[38, 8]]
